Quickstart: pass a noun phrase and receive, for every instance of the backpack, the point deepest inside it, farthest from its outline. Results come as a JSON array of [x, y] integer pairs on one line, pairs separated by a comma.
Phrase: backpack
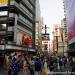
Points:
[[38, 65]]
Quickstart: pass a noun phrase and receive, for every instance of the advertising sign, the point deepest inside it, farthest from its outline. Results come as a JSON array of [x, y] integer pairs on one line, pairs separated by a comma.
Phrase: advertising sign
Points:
[[3, 13], [24, 39], [3, 3], [70, 11], [45, 36], [45, 42]]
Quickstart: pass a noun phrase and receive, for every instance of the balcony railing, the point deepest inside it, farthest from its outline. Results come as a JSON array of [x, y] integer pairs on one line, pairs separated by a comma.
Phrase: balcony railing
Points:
[[25, 23], [28, 4]]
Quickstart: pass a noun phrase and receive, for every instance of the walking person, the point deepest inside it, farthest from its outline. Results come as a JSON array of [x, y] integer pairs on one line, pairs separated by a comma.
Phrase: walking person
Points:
[[38, 66], [9, 70], [45, 67], [14, 66], [31, 66], [51, 64], [26, 67], [73, 66]]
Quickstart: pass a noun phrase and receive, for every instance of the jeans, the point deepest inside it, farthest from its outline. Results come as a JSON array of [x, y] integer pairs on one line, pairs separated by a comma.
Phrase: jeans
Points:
[[31, 72]]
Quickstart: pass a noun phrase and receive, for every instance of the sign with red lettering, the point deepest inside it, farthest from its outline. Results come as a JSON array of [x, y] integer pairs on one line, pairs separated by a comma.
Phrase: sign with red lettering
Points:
[[27, 40]]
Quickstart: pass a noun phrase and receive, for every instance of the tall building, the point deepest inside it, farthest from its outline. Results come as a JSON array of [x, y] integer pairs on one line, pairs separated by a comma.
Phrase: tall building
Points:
[[38, 32], [70, 18], [58, 41], [64, 26], [17, 25], [38, 26]]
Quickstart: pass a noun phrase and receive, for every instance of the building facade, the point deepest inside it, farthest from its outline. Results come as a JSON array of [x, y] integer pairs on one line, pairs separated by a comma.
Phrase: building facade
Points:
[[70, 18], [58, 40], [17, 24], [38, 26], [65, 37]]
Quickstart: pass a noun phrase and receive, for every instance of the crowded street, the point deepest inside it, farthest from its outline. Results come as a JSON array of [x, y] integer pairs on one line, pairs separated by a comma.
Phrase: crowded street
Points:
[[37, 37], [38, 65]]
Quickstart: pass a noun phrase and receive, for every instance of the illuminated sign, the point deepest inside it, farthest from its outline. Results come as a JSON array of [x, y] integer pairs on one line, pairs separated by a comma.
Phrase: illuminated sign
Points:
[[45, 42], [3, 13], [3, 3]]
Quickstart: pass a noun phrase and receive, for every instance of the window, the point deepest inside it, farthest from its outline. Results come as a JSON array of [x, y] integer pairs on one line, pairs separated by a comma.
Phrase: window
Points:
[[24, 8], [28, 4], [25, 20], [2, 26]]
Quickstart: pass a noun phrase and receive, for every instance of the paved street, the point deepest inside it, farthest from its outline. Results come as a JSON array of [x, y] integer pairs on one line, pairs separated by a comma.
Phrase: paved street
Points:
[[5, 73], [65, 71]]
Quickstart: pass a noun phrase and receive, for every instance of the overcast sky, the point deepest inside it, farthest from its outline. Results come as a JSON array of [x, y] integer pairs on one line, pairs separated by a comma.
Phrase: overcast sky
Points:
[[52, 12]]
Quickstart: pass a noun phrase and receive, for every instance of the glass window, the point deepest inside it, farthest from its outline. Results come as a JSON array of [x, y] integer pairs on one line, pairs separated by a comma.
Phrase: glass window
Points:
[[25, 20], [24, 8], [29, 5], [2, 26]]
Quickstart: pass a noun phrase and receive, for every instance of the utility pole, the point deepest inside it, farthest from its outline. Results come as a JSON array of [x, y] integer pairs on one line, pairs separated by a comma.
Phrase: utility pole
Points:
[[46, 38], [45, 29]]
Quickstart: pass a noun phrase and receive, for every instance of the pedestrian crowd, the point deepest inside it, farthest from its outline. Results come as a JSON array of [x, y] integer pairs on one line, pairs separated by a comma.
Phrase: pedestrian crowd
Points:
[[38, 65]]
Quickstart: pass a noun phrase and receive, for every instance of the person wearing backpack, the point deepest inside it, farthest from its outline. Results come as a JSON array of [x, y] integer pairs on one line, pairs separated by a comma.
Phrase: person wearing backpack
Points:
[[38, 66]]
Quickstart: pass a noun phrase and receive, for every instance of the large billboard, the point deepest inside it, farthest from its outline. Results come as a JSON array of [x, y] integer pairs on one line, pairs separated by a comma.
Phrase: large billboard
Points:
[[24, 39], [70, 11]]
